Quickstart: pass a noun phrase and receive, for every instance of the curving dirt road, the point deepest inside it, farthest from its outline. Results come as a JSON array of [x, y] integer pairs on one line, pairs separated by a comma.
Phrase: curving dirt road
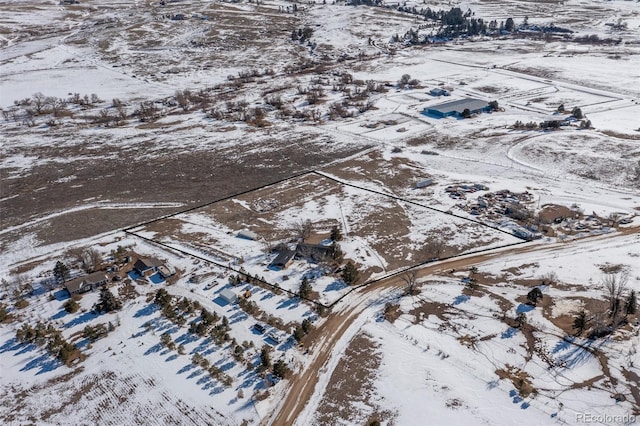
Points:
[[303, 384]]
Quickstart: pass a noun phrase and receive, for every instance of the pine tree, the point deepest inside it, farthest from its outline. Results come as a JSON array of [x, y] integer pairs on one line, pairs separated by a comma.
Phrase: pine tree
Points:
[[281, 369], [107, 301], [580, 322], [630, 305], [336, 234], [61, 271], [533, 296], [265, 357], [350, 273], [305, 288]]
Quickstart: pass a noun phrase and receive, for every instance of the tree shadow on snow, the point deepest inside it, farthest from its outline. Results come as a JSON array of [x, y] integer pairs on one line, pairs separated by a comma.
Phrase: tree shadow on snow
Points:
[[509, 333], [186, 338], [146, 311], [290, 303], [335, 286], [61, 314], [523, 308], [154, 349], [44, 362], [460, 299], [86, 317], [186, 368], [195, 374]]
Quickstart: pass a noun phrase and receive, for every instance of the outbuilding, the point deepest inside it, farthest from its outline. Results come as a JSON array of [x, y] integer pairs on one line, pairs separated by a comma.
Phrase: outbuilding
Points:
[[248, 235], [229, 296], [456, 108], [424, 183], [438, 91]]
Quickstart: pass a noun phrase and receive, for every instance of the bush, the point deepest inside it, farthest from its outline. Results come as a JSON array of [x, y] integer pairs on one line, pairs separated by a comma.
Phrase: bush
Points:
[[71, 306], [22, 303]]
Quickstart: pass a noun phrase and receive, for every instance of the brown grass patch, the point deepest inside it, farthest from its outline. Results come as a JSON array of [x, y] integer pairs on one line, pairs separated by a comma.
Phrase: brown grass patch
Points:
[[520, 379], [351, 385]]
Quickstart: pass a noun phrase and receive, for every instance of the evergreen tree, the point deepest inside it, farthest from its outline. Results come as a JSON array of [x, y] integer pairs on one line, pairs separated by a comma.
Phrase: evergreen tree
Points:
[[533, 296], [61, 271], [265, 357], [336, 234], [162, 298], [630, 305], [281, 369], [580, 322], [509, 26], [350, 273], [305, 288], [577, 113], [4, 313], [107, 301]]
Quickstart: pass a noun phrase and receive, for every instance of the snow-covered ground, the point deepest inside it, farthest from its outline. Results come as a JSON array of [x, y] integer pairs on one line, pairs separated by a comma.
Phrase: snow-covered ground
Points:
[[440, 366]]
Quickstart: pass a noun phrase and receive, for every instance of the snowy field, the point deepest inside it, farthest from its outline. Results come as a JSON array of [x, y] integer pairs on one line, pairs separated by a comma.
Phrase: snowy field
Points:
[[115, 114]]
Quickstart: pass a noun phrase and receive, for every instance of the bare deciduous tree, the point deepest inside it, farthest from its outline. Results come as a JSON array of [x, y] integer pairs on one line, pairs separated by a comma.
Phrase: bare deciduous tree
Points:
[[410, 279], [303, 229], [615, 286], [88, 259], [550, 278], [433, 249]]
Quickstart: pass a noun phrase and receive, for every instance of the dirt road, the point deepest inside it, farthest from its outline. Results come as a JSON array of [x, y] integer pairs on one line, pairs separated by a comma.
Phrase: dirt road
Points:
[[304, 383]]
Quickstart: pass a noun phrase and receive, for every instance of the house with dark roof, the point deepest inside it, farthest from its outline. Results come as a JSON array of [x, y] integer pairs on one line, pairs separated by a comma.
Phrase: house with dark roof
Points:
[[317, 252], [147, 265], [283, 260], [87, 283], [456, 108]]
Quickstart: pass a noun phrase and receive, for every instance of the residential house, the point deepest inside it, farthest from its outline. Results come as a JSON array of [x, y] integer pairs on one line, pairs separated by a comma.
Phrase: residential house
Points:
[[87, 283], [146, 266]]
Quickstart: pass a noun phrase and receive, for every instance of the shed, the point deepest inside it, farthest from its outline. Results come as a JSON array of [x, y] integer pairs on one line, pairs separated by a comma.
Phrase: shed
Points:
[[248, 235], [438, 91], [229, 296], [424, 183], [455, 108]]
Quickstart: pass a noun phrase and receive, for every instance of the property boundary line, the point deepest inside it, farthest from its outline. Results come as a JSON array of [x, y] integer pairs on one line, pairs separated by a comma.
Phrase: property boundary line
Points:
[[274, 287]]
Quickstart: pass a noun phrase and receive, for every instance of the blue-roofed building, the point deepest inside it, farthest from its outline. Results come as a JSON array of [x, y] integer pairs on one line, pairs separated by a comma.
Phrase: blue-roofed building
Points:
[[455, 108]]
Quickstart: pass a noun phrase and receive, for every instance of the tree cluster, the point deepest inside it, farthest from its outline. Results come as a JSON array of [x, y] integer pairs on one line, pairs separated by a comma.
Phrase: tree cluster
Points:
[[97, 331], [47, 336], [89, 259], [621, 304], [302, 330], [215, 373]]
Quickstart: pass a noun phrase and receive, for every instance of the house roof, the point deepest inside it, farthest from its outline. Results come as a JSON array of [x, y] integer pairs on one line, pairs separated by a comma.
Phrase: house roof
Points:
[[314, 251], [147, 262], [249, 235], [284, 257], [460, 105], [228, 294], [76, 284]]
